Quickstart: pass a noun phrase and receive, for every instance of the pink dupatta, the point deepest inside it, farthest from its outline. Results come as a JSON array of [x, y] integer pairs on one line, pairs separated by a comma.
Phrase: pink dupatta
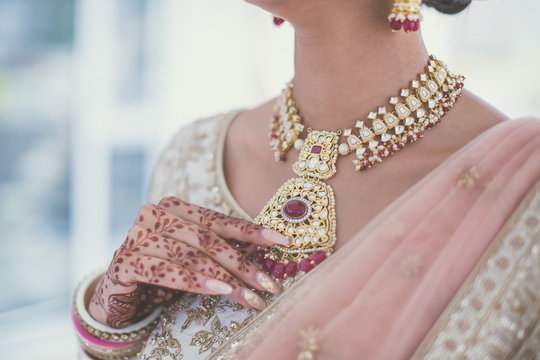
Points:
[[380, 294]]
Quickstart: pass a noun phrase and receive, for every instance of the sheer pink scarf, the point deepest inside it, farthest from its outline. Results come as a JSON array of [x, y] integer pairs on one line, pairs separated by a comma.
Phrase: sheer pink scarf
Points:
[[379, 295]]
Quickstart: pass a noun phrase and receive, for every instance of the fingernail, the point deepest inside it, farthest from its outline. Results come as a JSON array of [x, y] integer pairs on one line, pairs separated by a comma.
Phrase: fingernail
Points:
[[275, 237], [219, 287], [267, 283], [253, 299]]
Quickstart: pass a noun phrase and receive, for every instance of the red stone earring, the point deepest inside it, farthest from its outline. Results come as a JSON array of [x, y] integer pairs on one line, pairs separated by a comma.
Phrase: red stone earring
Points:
[[278, 21], [405, 14]]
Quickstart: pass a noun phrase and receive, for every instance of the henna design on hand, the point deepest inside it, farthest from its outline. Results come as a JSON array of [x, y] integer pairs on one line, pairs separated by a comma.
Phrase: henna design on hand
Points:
[[174, 247], [122, 308]]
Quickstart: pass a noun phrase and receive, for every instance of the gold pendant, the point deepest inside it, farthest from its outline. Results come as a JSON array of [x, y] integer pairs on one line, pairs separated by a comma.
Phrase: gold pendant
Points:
[[304, 207]]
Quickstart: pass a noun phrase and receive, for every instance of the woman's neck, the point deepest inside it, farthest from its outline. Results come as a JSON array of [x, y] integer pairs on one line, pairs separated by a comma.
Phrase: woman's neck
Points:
[[348, 62]]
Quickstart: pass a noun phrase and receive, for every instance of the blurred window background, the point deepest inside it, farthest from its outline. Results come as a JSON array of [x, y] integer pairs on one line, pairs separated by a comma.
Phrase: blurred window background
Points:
[[91, 91]]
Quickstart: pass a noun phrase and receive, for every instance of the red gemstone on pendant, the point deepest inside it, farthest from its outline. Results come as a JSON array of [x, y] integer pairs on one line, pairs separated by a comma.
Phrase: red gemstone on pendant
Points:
[[279, 271], [291, 269], [259, 256], [305, 265], [395, 25], [316, 149], [268, 265], [295, 209], [416, 25], [318, 256]]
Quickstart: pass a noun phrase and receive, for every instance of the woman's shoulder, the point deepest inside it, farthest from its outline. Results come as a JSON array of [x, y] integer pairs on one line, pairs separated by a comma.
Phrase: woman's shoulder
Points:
[[185, 164], [200, 129]]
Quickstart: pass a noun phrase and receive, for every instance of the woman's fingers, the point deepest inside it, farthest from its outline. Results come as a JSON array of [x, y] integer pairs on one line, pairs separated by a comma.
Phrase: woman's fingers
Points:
[[226, 226], [201, 250], [195, 260], [209, 279], [137, 268]]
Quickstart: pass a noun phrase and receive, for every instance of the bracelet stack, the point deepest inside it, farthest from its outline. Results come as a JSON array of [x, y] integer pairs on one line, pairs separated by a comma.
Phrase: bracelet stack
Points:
[[102, 342]]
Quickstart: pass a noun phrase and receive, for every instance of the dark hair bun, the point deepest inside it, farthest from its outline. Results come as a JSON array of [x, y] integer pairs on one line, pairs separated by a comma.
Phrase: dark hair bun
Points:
[[448, 6]]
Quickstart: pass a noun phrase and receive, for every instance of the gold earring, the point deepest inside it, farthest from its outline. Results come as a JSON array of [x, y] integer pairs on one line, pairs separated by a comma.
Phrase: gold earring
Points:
[[405, 14]]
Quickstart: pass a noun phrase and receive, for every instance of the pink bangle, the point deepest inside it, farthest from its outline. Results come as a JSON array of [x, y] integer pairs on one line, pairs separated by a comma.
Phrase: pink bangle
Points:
[[95, 341], [103, 342]]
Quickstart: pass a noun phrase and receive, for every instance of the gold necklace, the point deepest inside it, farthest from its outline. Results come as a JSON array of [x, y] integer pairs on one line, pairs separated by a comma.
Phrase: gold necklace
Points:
[[304, 207]]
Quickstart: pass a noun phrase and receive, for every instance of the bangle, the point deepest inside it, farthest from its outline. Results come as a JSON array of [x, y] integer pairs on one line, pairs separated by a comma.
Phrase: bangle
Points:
[[101, 341]]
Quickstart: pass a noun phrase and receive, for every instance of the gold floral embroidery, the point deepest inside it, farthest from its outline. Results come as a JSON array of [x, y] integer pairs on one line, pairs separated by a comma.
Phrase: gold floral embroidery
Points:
[[206, 310], [309, 343], [468, 178], [165, 345], [218, 334], [411, 265], [206, 339]]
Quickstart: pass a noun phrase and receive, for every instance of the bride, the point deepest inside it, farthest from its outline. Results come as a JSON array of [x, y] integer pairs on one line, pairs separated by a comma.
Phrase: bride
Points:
[[376, 209]]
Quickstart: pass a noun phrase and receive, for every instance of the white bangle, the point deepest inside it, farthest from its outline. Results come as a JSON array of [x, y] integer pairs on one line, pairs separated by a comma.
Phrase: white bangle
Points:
[[132, 332]]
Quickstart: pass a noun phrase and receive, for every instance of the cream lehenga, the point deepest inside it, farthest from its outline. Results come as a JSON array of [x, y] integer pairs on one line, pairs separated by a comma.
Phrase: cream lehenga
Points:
[[450, 270]]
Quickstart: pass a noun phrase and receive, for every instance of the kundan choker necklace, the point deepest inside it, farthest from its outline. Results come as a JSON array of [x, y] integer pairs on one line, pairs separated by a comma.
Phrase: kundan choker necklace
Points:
[[304, 207]]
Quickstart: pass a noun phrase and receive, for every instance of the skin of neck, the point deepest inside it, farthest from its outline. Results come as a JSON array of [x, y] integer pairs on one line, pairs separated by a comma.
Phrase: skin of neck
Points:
[[347, 60]]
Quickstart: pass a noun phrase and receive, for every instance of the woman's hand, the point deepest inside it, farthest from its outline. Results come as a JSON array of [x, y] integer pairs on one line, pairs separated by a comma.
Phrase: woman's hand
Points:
[[179, 246]]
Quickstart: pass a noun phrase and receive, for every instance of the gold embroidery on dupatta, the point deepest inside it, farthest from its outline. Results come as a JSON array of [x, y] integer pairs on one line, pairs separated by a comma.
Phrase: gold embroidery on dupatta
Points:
[[309, 343], [411, 265], [468, 177], [497, 313]]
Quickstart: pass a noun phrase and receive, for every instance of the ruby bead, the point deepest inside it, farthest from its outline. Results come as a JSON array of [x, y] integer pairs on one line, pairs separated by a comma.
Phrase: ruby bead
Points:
[[279, 271], [295, 209], [318, 256], [259, 256], [416, 25], [408, 25], [291, 269], [305, 265], [395, 25], [278, 20], [268, 265]]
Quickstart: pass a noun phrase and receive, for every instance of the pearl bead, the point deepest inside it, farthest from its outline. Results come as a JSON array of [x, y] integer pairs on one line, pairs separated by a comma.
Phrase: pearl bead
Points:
[[343, 149], [298, 144]]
